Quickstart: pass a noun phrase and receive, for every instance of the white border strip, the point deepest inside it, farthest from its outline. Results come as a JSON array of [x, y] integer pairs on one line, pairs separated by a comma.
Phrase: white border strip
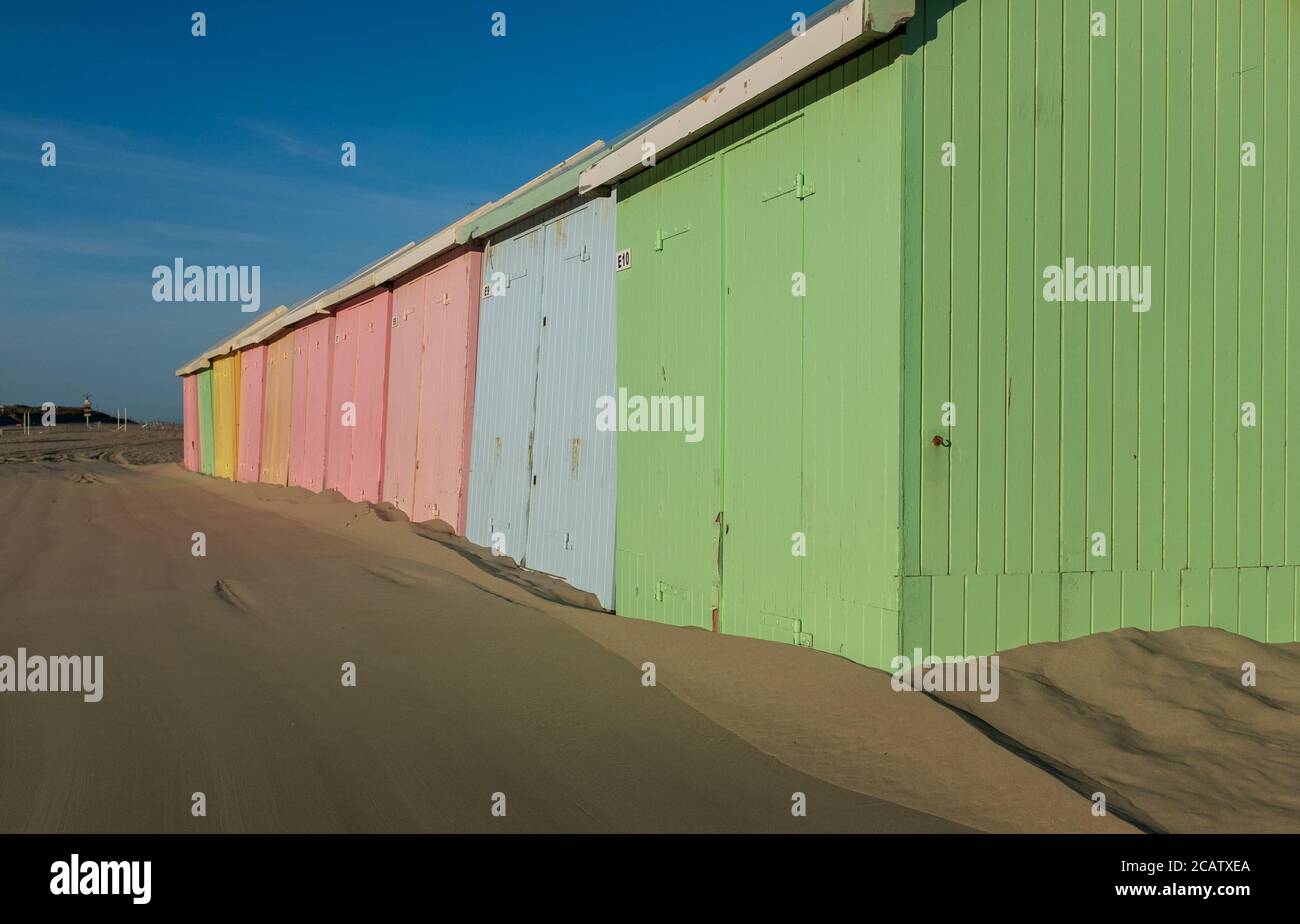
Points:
[[830, 39]]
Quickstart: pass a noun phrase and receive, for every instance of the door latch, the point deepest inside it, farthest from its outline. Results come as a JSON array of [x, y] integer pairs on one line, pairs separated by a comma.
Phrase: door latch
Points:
[[801, 189]]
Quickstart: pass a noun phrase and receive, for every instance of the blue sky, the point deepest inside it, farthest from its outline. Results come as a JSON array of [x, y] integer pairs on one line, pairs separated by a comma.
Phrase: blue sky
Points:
[[225, 150]]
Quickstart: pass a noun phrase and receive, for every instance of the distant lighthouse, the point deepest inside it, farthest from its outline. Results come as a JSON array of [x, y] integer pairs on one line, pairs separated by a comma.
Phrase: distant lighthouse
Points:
[[86, 409]]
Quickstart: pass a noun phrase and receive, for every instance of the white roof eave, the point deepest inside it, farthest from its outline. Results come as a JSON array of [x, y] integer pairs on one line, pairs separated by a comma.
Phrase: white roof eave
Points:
[[836, 35]]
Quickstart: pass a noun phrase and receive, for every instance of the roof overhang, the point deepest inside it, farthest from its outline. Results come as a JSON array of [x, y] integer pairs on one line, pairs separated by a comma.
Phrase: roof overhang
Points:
[[233, 342], [382, 272], [367, 278], [558, 183], [253, 334], [830, 35]]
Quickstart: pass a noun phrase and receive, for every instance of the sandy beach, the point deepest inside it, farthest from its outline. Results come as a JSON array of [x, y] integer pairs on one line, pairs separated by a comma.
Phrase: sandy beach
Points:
[[75, 443], [222, 676]]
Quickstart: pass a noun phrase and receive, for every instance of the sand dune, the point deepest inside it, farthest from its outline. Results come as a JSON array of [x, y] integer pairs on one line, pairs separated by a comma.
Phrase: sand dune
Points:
[[1161, 723], [222, 676], [820, 715]]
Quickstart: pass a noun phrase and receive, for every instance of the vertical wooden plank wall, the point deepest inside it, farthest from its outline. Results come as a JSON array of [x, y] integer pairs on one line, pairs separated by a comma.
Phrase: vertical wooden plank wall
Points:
[[1106, 469]]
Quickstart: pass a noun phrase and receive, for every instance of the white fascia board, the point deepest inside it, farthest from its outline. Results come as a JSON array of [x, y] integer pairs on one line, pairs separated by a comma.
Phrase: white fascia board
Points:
[[387, 269], [468, 228], [247, 334], [835, 36], [250, 334], [322, 301], [204, 359], [427, 249]]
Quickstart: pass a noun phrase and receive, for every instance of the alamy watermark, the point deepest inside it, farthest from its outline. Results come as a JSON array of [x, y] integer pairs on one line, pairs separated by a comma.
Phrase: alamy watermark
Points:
[[76, 876], [651, 414], [181, 283], [952, 674], [55, 674], [1085, 283]]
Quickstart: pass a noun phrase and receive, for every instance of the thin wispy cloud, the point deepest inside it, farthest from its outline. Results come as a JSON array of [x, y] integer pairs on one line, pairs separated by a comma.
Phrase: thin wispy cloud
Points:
[[17, 240], [226, 149], [286, 143], [98, 150]]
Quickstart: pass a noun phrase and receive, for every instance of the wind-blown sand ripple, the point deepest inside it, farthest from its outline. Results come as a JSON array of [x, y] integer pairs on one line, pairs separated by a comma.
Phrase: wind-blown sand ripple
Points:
[[477, 677]]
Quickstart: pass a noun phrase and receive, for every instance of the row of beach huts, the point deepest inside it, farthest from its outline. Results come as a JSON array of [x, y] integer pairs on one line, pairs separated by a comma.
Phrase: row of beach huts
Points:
[[780, 362]]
